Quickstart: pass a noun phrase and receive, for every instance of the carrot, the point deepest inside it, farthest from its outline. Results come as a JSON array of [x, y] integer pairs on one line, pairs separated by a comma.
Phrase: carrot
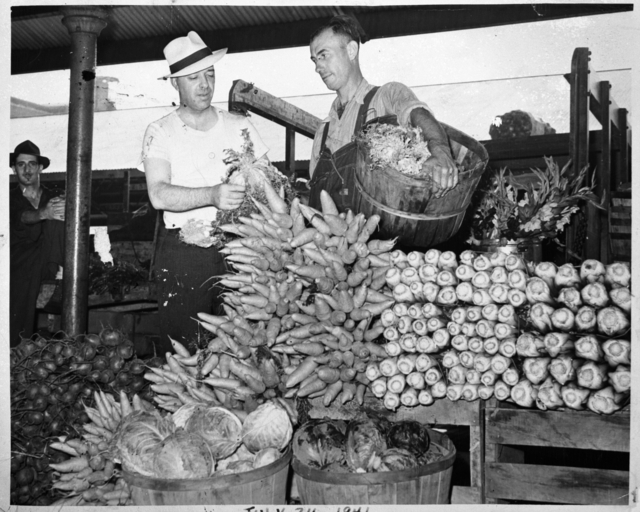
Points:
[[348, 358], [347, 374], [348, 392], [75, 485], [221, 382], [75, 464], [241, 370], [331, 392], [328, 374], [327, 204], [119, 496], [309, 349], [337, 225], [65, 448], [311, 387], [304, 369], [369, 227]]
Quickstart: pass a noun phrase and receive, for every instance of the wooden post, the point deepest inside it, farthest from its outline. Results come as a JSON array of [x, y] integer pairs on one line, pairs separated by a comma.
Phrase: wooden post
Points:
[[84, 25], [579, 133], [126, 191], [623, 174], [290, 153], [603, 184]]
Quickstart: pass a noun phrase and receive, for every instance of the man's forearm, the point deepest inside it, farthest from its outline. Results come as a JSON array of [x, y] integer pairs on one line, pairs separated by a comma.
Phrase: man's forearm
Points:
[[175, 198], [33, 216], [431, 129]]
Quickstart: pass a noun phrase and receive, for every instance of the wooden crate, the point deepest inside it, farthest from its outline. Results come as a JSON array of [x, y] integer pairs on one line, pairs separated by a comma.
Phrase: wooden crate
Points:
[[620, 226], [508, 478], [441, 412]]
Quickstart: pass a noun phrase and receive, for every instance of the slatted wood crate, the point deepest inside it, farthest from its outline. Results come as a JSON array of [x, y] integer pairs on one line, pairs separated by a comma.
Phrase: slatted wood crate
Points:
[[620, 225], [508, 478]]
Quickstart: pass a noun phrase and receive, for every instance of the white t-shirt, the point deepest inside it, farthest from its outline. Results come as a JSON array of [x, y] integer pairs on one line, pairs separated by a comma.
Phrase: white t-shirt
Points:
[[196, 157]]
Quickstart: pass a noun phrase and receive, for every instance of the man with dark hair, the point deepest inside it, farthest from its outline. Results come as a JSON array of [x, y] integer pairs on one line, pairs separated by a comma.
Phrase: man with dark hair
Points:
[[36, 239], [335, 49], [183, 159]]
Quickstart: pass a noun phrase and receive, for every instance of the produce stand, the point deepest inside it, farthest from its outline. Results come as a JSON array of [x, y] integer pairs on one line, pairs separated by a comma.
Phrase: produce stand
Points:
[[499, 472], [508, 478]]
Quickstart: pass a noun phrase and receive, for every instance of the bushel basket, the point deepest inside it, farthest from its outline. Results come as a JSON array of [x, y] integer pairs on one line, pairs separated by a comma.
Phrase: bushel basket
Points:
[[263, 486], [427, 484], [406, 206]]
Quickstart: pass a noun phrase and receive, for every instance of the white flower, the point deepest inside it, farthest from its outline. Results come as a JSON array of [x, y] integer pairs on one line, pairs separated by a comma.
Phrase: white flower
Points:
[[532, 225], [545, 213], [562, 223], [497, 121]]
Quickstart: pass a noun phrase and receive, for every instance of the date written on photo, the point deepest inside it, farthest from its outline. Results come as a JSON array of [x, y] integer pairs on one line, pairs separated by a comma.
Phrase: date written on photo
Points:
[[305, 509]]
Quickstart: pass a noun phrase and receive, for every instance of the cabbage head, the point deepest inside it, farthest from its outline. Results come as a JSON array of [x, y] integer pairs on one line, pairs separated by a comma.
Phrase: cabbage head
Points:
[[240, 454], [268, 426], [266, 457], [365, 442], [320, 443], [184, 455], [219, 427], [237, 466], [397, 459], [182, 415], [137, 439], [409, 435]]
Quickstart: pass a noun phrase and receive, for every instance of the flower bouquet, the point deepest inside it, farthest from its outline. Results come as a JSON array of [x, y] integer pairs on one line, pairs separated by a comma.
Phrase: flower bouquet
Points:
[[511, 210]]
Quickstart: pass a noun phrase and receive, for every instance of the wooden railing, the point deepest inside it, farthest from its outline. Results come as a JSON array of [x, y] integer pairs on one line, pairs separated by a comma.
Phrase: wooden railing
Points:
[[591, 94]]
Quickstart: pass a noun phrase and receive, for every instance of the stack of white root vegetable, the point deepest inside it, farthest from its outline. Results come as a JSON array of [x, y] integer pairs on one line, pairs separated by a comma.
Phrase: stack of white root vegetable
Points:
[[90, 476], [300, 313], [485, 327]]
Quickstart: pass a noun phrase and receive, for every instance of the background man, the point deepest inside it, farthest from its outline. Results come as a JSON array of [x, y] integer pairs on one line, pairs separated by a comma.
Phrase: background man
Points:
[[36, 231], [183, 157], [335, 50]]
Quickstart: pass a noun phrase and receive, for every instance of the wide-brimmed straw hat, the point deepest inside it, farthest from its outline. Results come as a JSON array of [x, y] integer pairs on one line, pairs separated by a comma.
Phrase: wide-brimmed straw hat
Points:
[[188, 55], [28, 148]]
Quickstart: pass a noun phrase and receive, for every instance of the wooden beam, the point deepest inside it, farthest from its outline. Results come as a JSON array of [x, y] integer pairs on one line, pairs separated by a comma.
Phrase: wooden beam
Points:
[[245, 96]]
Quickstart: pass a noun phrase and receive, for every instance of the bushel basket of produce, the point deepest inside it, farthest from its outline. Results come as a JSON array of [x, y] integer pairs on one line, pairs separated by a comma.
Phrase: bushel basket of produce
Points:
[[407, 206], [429, 483], [263, 486]]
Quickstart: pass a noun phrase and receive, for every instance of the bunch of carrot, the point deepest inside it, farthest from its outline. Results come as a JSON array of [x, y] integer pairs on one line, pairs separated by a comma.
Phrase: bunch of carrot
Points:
[[90, 476], [301, 311], [575, 352]]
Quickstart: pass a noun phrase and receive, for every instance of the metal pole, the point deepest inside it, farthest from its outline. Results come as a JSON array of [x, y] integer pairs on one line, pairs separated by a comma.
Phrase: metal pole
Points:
[[84, 25]]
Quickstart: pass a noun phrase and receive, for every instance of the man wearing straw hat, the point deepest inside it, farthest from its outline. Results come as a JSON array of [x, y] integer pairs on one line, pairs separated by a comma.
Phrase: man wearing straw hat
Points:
[[182, 158], [36, 239], [335, 49]]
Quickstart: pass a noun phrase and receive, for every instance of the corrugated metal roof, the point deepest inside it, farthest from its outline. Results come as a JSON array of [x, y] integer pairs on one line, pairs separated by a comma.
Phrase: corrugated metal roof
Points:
[[40, 41], [137, 21]]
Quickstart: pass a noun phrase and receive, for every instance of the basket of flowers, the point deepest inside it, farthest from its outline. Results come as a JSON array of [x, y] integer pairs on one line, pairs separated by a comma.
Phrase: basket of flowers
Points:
[[515, 215]]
